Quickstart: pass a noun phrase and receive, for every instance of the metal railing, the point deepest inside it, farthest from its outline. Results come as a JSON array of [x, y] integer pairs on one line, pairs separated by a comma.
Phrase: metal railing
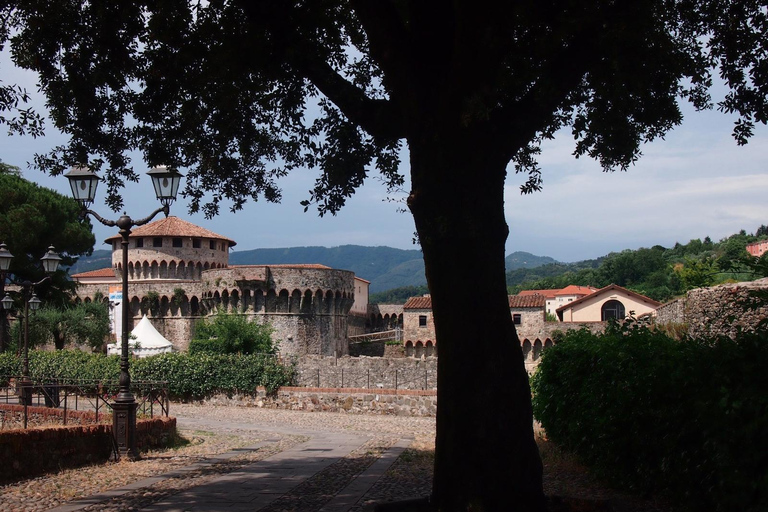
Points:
[[65, 401]]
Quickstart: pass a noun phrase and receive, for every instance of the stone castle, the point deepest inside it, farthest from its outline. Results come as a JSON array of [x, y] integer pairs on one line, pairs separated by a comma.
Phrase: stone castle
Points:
[[179, 272]]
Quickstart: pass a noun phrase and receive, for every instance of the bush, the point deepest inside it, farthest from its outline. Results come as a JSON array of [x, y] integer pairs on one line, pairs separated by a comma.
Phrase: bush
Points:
[[189, 376], [652, 414], [232, 334]]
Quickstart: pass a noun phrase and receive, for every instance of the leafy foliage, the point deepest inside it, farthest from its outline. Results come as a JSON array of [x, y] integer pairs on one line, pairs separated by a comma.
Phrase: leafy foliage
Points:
[[85, 324], [654, 414], [397, 295], [658, 272], [189, 377], [31, 219], [232, 334]]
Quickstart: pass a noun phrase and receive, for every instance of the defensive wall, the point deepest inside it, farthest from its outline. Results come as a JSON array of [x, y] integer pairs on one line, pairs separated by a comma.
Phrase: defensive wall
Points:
[[307, 305], [718, 310]]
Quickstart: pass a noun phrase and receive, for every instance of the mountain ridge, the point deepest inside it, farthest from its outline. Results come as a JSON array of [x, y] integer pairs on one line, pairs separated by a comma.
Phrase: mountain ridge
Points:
[[385, 267]]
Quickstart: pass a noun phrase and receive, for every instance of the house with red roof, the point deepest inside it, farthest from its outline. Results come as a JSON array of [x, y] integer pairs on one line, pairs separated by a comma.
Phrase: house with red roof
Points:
[[611, 302], [556, 298]]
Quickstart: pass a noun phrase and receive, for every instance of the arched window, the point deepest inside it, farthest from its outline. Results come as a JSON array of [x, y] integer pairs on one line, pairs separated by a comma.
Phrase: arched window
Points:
[[612, 309]]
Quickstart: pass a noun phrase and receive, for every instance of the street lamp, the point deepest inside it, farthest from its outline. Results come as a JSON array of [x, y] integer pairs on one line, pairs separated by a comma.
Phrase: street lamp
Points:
[[50, 263], [83, 183], [5, 263]]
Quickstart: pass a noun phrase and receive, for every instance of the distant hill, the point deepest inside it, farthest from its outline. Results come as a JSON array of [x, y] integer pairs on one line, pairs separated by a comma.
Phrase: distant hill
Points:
[[521, 259], [385, 267], [101, 258]]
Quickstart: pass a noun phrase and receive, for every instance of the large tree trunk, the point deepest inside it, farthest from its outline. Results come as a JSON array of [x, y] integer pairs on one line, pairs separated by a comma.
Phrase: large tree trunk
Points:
[[486, 457]]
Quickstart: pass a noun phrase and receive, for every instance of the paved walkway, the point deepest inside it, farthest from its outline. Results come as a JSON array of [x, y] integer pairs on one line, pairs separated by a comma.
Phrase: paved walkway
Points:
[[305, 477]]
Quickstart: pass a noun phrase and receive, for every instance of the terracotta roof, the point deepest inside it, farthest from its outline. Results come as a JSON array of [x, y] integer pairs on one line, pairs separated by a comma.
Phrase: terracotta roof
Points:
[[527, 301], [173, 227], [609, 288], [363, 280], [418, 303], [102, 272], [576, 290], [284, 265], [550, 294], [515, 301]]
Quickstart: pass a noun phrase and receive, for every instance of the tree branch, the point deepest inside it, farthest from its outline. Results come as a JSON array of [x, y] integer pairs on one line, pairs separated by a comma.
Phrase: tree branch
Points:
[[375, 116]]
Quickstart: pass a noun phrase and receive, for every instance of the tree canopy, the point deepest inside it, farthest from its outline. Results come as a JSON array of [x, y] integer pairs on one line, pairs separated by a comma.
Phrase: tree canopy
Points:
[[31, 219], [240, 93]]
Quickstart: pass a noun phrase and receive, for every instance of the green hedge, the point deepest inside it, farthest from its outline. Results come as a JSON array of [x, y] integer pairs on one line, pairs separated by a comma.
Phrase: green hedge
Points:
[[188, 376], [652, 414]]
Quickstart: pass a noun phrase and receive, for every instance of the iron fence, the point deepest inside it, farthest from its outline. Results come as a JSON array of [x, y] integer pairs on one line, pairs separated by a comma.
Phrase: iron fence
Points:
[[68, 399]]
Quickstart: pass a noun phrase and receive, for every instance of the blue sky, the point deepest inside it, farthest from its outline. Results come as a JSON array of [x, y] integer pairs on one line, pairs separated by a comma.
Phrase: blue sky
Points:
[[696, 183]]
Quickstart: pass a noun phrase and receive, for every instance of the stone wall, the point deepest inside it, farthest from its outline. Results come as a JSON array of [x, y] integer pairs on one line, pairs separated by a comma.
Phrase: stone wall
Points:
[[368, 372], [719, 310], [413, 331], [402, 402], [376, 349], [307, 306]]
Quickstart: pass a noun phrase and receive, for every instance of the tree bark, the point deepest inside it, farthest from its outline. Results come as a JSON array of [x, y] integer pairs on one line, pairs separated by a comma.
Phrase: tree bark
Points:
[[486, 457]]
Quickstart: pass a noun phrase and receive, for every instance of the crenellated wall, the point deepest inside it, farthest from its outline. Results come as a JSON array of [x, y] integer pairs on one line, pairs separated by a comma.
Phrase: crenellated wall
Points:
[[308, 306]]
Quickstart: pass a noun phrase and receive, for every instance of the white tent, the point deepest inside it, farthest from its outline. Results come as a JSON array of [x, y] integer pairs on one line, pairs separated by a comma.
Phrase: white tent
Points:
[[144, 341]]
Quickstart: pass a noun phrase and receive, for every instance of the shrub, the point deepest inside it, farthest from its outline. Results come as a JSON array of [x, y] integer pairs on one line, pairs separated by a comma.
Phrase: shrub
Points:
[[653, 414], [189, 376], [231, 334]]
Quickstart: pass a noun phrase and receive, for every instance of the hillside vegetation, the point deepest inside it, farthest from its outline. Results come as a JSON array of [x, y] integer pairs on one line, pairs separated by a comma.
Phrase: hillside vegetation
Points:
[[396, 274], [657, 272]]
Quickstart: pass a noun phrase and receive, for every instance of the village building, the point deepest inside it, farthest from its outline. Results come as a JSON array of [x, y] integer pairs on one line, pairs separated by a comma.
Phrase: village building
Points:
[[527, 313], [556, 298], [179, 273], [758, 248], [611, 302]]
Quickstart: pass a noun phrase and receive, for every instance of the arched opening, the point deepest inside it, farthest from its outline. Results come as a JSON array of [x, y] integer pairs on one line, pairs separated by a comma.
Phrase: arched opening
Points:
[[409, 349], [172, 270], [194, 306], [428, 349], [145, 274], [548, 343], [294, 304], [536, 349], [306, 303], [612, 309], [163, 274], [270, 305], [234, 301], [165, 306], [526, 349], [258, 301], [418, 350], [283, 301], [328, 302], [135, 306]]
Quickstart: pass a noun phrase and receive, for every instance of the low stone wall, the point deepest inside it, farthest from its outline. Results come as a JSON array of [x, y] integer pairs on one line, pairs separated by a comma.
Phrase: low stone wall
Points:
[[401, 402], [35, 451], [368, 372], [376, 349], [718, 310]]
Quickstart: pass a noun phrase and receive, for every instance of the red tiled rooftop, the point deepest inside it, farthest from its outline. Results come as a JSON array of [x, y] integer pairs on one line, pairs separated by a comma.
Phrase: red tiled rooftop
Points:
[[515, 301], [527, 301], [576, 290], [102, 272], [550, 294], [173, 227], [418, 303]]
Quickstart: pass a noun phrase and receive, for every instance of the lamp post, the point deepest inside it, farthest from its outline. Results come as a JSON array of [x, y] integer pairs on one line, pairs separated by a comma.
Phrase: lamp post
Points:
[[83, 183], [50, 264], [5, 262]]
